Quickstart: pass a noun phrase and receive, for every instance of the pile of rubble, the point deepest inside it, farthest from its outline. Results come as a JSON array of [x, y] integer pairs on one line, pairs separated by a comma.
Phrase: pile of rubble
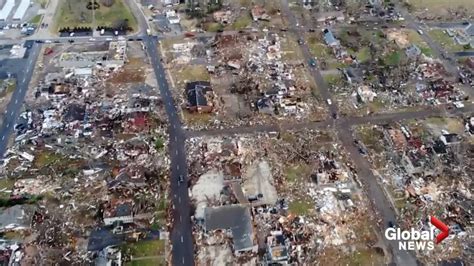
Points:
[[91, 160], [243, 198], [430, 172]]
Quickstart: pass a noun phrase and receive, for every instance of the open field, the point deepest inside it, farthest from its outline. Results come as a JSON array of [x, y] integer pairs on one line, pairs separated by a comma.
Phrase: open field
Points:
[[436, 5], [74, 13], [444, 40]]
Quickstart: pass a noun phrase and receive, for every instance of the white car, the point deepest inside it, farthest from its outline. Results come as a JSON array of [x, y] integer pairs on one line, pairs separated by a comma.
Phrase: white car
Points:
[[329, 101], [109, 39], [420, 32], [47, 41], [91, 39]]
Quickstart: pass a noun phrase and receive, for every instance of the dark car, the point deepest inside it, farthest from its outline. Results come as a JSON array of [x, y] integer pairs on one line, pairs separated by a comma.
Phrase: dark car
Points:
[[334, 115], [70, 41], [181, 179], [391, 224], [311, 30], [300, 41]]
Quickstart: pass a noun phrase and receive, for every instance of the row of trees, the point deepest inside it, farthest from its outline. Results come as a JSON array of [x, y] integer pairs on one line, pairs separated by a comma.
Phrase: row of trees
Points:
[[118, 25]]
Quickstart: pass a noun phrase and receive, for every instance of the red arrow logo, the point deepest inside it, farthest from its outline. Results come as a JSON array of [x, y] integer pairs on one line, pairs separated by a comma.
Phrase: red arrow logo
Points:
[[441, 226]]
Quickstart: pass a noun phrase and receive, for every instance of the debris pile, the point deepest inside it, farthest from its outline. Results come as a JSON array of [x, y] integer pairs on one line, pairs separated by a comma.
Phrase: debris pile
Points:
[[246, 198], [89, 157]]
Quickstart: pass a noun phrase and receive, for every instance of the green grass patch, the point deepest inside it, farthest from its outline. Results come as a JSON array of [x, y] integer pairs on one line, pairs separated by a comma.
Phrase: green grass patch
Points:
[[299, 207], [241, 22], [290, 48], [145, 248], [46, 158], [318, 49], [191, 73], [147, 262], [8, 86], [376, 105], [438, 5], [394, 58], [415, 38], [332, 79], [6, 185], [297, 172], [445, 40], [213, 27], [36, 19], [371, 137], [74, 13], [363, 55], [364, 257], [196, 119], [159, 143]]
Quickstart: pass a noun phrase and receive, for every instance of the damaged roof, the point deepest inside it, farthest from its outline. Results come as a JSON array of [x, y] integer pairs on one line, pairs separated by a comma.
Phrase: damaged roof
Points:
[[234, 217], [196, 92]]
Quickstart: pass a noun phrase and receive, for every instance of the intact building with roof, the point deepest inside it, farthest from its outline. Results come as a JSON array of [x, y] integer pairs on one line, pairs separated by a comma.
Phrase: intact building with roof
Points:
[[21, 10], [6, 9], [200, 96]]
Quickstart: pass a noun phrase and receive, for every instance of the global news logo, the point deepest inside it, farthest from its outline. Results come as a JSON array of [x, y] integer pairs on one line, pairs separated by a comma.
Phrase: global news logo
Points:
[[418, 240]]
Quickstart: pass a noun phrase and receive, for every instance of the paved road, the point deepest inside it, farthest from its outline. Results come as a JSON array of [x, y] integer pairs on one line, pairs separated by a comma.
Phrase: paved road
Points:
[[372, 187], [322, 86], [13, 108], [347, 122], [181, 235]]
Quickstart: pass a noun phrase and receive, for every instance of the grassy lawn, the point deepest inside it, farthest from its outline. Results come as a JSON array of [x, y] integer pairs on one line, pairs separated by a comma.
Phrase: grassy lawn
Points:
[[46, 158], [376, 105], [415, 38], [333, 79], [360, 257], [191, 73], [318, 49], [196, 119], [299, 207], [452, 125], [445, 41], [74, 13], [290, 48], [394, 58], [145, 248], [297, 172], [213, 27], [436, 5], [36, 19], [147, 262], [363, 55], [6, 184], [371, 138], [10, 85], [241, 22]]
